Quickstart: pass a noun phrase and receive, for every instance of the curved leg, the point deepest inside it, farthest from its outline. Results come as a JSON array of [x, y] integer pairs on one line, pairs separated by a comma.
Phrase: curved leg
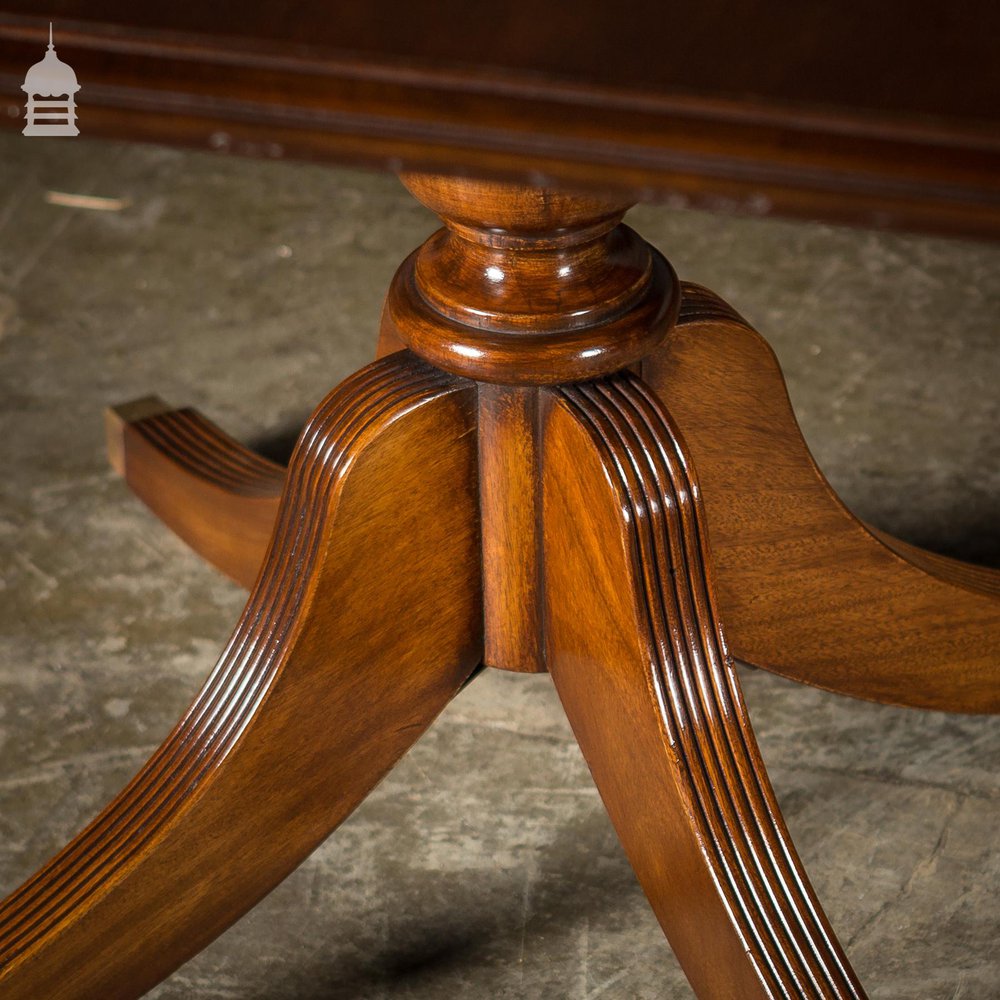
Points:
[[638, 657], [806, 589], [215, 493], [365, 621]]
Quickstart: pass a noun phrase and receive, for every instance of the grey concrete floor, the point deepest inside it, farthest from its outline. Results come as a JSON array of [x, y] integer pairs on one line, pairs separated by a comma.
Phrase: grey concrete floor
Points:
[[484, 865]]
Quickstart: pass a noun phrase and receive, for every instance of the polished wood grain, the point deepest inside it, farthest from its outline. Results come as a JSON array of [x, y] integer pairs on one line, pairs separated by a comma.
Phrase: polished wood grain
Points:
[[816, 109], [528, 286], [636, 650], [806, 589], [365, 621], [217, 495], [509, 505]]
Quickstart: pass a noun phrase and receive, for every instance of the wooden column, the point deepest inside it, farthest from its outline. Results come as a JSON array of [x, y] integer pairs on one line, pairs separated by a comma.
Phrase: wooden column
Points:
[[524, 287]]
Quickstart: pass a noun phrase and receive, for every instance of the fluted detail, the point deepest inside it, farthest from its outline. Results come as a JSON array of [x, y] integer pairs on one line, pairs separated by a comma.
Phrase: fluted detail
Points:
[[186, 438], [752, 859], [701, 305]]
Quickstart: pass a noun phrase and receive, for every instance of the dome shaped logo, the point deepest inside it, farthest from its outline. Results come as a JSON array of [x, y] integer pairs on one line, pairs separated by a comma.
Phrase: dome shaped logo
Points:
[[51, 87]]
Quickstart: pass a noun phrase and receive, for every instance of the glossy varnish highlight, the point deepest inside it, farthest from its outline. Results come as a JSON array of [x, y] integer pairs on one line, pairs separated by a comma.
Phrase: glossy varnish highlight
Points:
[[527, 287]]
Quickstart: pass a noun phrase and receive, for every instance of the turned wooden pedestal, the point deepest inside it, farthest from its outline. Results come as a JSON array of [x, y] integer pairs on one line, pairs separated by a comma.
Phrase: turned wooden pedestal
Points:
[[581, 466]]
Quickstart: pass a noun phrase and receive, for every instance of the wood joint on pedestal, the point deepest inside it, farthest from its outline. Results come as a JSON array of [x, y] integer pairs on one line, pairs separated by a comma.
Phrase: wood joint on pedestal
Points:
[[524, 287]]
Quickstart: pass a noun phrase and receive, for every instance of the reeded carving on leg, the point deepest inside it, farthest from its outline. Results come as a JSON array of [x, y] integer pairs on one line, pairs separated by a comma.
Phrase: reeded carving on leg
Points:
[[637, 653], [808, 590], [215, 493], [366, 619]]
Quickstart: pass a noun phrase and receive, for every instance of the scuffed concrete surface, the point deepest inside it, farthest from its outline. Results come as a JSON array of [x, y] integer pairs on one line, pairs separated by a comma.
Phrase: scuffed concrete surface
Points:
[[484, 865]]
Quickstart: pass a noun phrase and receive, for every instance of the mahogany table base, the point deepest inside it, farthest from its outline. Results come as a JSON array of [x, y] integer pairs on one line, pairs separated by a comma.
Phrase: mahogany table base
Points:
[[582, 467]]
